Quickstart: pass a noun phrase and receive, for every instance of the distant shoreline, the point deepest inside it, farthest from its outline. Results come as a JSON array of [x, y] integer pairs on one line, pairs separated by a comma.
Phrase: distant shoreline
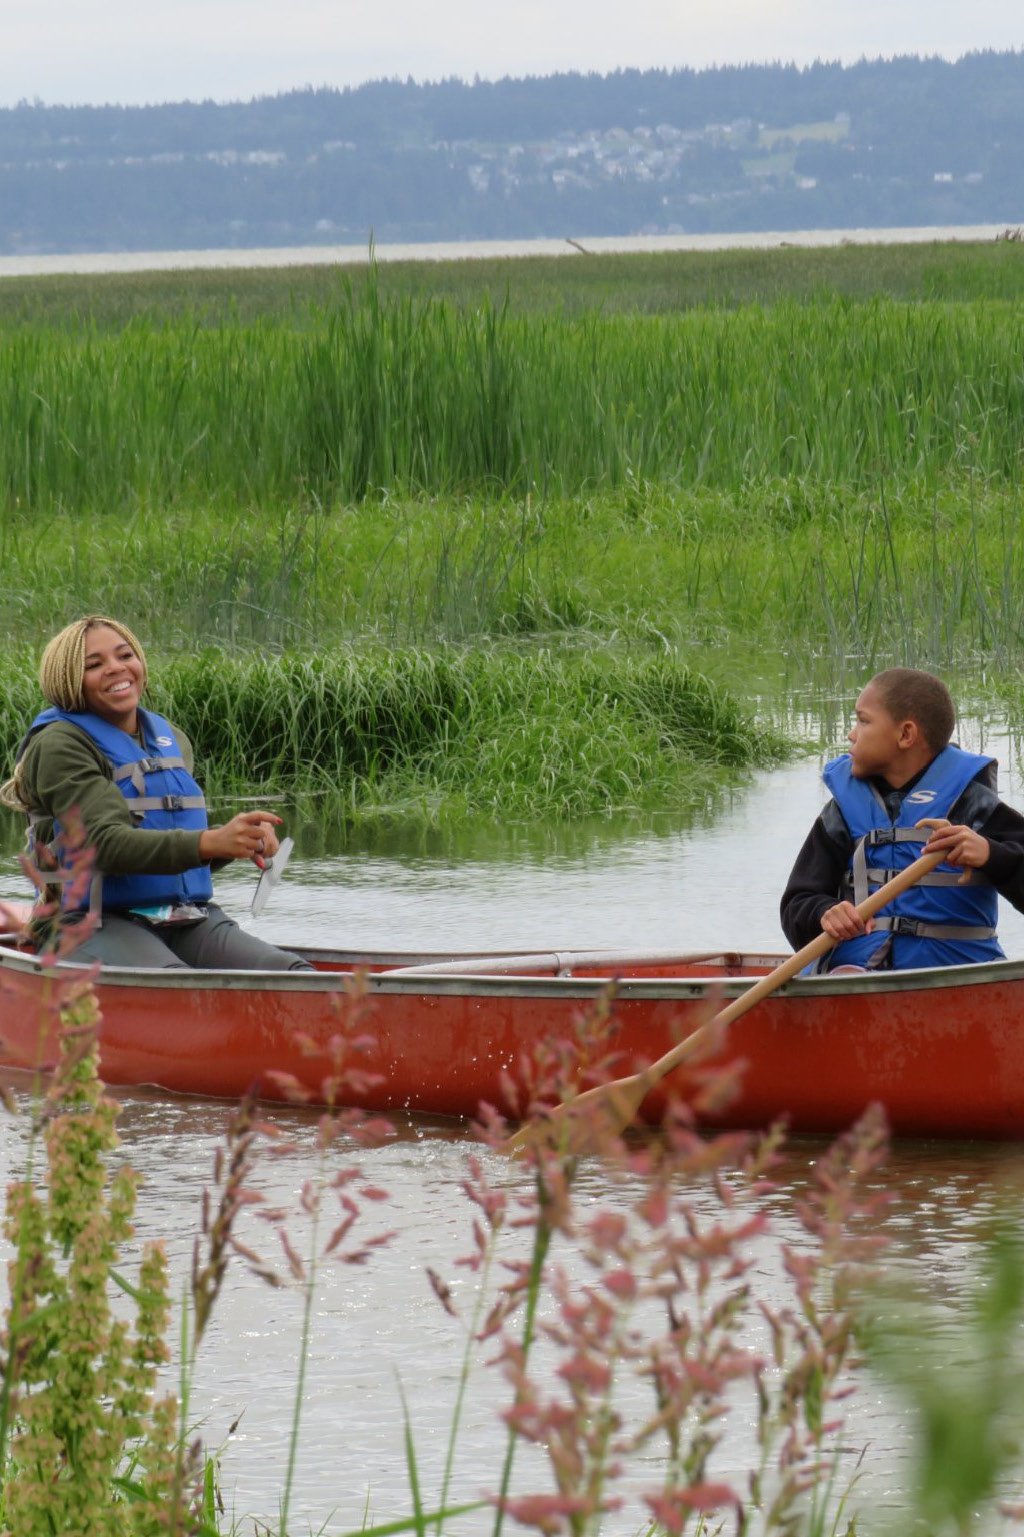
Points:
[[470, 250]]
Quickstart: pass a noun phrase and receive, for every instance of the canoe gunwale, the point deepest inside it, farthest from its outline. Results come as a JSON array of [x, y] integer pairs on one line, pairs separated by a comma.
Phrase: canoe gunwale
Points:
[[483, 984], [888, 984]]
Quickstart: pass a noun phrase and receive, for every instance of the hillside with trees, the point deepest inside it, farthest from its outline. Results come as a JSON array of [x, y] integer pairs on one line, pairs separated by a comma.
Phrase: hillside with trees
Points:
[[908, 141]]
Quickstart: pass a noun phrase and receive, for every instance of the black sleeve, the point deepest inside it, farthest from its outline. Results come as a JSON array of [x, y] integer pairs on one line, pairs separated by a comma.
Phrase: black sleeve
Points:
[[814, 881], [980, 807], [1004, 829]]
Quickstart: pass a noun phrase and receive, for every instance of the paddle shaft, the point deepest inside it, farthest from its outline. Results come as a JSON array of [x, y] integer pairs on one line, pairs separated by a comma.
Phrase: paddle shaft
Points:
[[551, 962], [791, 966], [616, 1103]]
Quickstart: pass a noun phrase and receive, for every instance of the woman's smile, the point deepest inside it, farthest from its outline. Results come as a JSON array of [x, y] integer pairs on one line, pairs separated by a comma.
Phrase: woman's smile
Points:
[[114, 678]]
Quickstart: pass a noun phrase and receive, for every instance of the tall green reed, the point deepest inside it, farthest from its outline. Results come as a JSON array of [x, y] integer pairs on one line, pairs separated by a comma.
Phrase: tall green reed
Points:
[[389, 393]]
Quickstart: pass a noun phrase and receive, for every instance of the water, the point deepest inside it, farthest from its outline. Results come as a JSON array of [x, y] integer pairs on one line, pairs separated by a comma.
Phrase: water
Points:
[[379, 1325], [378, 1330], [455, 250], [713, 885]]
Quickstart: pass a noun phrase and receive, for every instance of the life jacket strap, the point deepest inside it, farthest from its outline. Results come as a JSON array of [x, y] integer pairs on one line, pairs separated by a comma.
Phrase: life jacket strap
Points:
[[859, 865], [878, 877], [863, 878], [918, 930], [145, 803], [885, 835], [140, 767]]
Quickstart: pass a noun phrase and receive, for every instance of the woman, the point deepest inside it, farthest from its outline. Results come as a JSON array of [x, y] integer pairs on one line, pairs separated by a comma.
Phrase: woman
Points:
[[126, 773]]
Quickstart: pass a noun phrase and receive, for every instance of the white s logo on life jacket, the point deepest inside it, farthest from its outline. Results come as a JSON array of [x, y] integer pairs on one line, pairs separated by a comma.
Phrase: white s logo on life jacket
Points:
[[921, 797], [168, 741]]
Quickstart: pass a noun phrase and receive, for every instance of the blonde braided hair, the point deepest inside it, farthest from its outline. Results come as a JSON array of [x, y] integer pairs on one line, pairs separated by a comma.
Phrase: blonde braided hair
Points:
[[62, 680]]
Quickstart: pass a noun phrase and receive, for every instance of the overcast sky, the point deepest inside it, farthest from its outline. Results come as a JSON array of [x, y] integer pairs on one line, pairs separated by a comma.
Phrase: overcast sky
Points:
[[136, 51]]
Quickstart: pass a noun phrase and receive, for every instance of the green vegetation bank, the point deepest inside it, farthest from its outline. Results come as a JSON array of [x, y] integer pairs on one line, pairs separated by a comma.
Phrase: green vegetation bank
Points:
[[536, 491]]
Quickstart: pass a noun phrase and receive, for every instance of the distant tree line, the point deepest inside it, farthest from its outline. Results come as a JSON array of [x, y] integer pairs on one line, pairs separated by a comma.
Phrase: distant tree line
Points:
[[903, 141]]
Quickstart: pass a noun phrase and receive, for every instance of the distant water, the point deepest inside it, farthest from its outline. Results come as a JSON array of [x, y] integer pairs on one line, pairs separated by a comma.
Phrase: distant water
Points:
[[467, 250]]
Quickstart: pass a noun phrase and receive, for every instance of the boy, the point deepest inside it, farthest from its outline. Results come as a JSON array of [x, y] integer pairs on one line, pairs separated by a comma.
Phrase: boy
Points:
[[900, 789]]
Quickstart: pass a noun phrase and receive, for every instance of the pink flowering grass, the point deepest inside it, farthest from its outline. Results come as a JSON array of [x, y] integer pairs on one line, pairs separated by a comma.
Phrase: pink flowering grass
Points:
[[618, 1336], [653, 1298]]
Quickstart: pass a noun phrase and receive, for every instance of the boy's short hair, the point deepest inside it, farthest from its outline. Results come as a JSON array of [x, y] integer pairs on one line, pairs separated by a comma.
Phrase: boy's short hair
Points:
[[908, 694]]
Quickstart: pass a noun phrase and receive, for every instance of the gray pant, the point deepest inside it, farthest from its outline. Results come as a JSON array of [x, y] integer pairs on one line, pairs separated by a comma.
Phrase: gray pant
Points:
[[215, 944]]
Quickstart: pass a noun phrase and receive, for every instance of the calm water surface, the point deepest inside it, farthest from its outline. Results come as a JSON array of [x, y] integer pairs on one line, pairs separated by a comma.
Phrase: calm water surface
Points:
[[716, 884], [379, 1325]]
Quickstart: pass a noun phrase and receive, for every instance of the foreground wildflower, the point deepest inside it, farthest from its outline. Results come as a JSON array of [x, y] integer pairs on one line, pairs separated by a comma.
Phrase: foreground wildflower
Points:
[[79, 1383]]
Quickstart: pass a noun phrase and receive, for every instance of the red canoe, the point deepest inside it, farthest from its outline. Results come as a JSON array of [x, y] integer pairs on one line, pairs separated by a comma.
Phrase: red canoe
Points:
[[942, 1049]]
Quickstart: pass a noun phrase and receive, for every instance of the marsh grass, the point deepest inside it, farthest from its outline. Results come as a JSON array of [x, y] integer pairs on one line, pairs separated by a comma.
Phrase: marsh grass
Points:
[[398, 394], [497, 732], [381, 461], [927, 575], [440, 734], [643, 283]]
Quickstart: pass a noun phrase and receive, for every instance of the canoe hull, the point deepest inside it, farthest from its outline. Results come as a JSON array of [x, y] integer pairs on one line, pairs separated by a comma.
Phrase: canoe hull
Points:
[[943, 1051]]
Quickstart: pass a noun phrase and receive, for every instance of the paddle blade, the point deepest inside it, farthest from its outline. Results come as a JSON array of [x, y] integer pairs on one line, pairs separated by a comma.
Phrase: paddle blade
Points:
[[271, 875], [584, 1124]]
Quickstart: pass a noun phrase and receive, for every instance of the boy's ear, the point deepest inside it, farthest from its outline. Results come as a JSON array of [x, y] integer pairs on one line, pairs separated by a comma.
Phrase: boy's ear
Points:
[[909, 734]]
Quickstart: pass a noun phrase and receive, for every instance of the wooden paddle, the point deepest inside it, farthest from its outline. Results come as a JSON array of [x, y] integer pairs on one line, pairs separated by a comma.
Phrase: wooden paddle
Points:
[[611, 1107]]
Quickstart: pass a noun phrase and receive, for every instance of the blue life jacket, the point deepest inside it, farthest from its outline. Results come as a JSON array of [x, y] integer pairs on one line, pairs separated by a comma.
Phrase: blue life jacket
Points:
[[938, 922], [162, 795]]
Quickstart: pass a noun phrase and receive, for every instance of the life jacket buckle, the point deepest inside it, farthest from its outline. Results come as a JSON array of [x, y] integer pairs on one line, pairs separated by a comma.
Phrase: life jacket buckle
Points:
[[172, 802], [881, 835], [909, 926]]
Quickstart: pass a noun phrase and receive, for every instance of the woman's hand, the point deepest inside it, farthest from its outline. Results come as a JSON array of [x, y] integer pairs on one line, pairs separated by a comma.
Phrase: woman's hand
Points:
[[249, 835], [15, 918], [959, 845], [844, 922]]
